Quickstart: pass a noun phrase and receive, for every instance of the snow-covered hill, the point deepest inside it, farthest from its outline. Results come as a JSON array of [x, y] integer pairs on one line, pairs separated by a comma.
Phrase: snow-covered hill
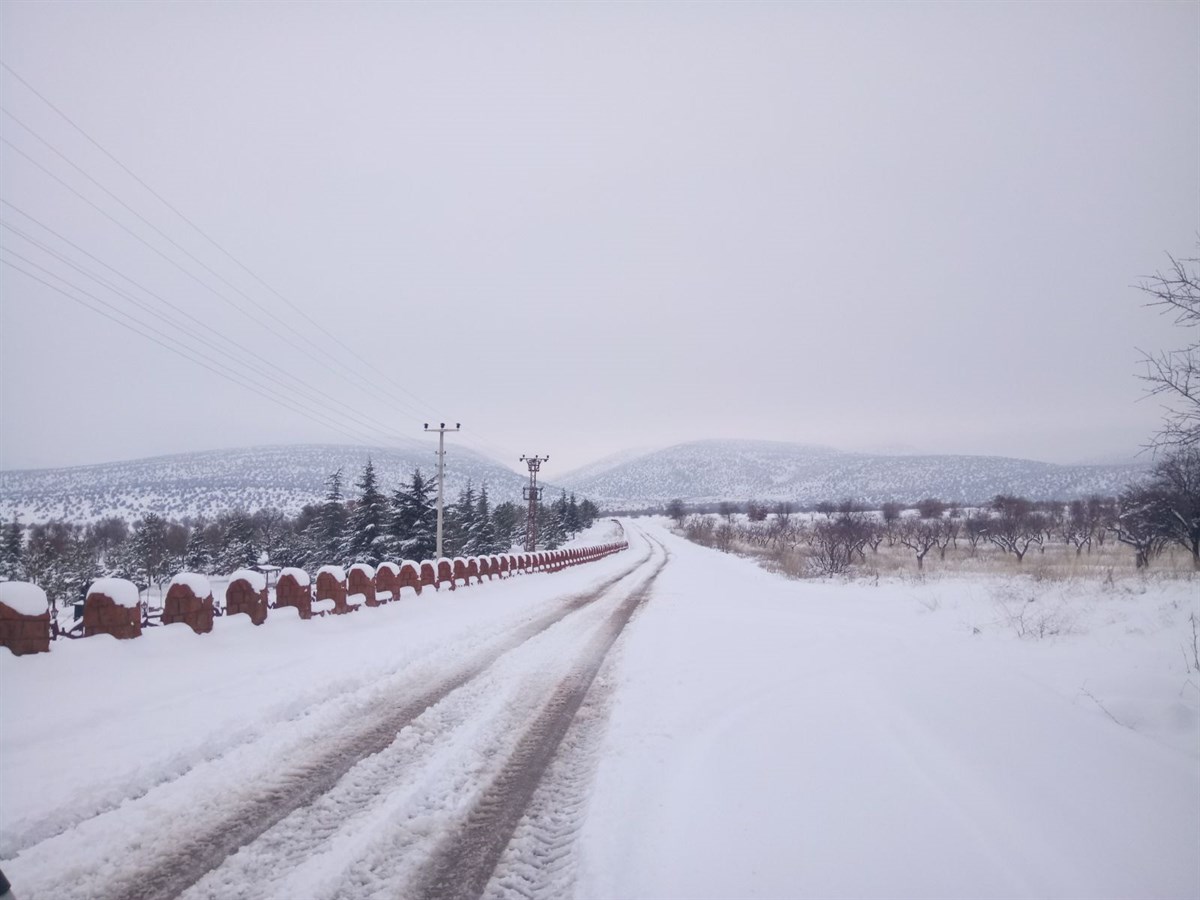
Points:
[[767, 470], [205, 484]]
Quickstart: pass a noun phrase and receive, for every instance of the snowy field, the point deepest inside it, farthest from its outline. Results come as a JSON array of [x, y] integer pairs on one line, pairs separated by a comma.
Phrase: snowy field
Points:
[[743, 735]]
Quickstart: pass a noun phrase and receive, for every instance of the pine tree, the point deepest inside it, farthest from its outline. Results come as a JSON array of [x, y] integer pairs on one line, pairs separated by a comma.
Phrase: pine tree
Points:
[[239, 547], [332, 522], [482, 540], [198, 557], [414, 519], [588, 513], [148, 549], [551, 528], [459, 522], [367, 526], [572, 520], [12, 547], [507, 522]]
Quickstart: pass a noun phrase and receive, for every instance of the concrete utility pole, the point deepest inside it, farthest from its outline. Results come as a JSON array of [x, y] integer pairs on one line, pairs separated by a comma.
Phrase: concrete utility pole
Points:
[[533, 494], [441, 455]]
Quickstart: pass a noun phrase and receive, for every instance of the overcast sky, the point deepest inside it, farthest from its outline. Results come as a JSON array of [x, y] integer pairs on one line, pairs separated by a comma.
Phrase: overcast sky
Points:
[[578, 228]]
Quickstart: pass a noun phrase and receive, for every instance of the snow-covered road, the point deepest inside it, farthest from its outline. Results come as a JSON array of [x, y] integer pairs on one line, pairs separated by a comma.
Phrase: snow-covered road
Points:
[[667, 722]]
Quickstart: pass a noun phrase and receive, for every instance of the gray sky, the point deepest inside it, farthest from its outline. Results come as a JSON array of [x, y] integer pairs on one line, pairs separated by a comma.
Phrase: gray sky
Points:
[[578, 228]]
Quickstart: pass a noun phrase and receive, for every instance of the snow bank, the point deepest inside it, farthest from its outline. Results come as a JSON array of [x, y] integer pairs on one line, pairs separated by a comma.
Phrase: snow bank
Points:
[[300, 575], [122, 592], [23, 598], [193, 581], [336, 571], [257, 580], [356, 599]]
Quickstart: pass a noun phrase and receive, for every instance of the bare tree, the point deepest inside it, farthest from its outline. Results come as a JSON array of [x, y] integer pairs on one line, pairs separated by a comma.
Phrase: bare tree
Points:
[[1016, 526], [931, 508], [1175, 374], [1140, 516], [920, 536], [1177, 477], [677, 511]]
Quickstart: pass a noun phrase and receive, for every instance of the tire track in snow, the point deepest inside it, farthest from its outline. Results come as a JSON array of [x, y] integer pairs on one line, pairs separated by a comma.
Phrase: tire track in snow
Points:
[[464, 864], [209, 839], [369, 835]]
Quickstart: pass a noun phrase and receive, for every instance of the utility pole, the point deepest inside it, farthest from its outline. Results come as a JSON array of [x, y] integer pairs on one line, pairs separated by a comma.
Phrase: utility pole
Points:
[[533, 494], [441, 455]]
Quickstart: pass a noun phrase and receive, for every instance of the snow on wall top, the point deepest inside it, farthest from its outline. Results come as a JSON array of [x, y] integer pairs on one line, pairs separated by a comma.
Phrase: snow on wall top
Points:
[[390, 567], [121, 592], [193, 581], [336, 571], [23, 598], [300, 575], [257, 580], [364, 568]]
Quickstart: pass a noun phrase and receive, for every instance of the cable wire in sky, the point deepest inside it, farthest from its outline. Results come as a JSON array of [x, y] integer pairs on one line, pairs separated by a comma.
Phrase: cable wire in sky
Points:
[[249, 357], [370, 384]]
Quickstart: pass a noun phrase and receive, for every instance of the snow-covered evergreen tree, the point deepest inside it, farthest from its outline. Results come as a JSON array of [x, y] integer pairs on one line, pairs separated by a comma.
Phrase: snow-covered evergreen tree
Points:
[[551, 524], [368, 534], [332, 522], [508, 521], [198, 557], [239, 547], [148, 550], [414, 518], [12, 546], [460, 522], [482, 539]]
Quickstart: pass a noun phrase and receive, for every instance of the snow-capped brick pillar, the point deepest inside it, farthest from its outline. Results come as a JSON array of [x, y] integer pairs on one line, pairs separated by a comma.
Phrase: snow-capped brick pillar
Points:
[[247, 593], [294, 588], [112, 607], [429, 574], [445, 573], [410, 576], [24, 618], [189, 600], [387, 582], [331, 585], [361, 583]]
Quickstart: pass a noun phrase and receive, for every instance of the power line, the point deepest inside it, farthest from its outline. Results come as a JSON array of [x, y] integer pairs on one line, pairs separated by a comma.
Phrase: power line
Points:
[[320, 357], [312, 393], [211, 240], [357, 437]]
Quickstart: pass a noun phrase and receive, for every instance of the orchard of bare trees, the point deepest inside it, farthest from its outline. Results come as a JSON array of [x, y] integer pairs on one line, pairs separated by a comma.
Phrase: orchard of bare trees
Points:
[[1157, 514]]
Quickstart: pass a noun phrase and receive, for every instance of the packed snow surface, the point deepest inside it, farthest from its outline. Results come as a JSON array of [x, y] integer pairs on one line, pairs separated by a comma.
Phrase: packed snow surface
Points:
[[23, 598], [195, 582], [747, 736], [121, 592]]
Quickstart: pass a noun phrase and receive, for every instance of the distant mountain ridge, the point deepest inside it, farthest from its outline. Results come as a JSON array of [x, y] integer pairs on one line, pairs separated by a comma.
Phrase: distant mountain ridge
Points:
[[208, 483], [288, 477], [706, 471]]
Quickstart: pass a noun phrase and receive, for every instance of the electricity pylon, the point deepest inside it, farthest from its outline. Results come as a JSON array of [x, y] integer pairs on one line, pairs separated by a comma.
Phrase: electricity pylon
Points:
[[533, 494]]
